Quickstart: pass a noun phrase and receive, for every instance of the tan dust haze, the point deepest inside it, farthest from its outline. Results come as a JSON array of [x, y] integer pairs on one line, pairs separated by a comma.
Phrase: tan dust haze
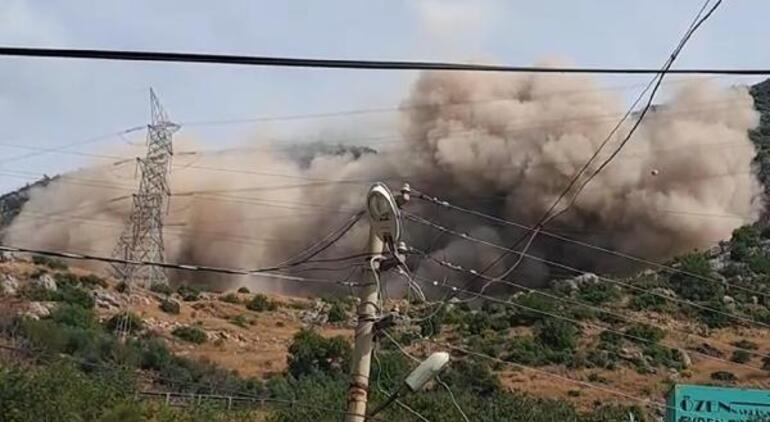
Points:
[[503, 144]]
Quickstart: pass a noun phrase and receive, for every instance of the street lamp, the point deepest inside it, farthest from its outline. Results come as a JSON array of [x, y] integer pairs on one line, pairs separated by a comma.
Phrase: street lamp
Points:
[[416, 380]]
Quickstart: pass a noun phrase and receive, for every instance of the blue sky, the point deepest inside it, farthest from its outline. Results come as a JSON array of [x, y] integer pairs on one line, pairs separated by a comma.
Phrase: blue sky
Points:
[[46, 103]]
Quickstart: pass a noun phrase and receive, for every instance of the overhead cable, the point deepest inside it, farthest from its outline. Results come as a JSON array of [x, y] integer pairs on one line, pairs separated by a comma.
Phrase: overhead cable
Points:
[[443, 203], [249, 60], [184, 267]]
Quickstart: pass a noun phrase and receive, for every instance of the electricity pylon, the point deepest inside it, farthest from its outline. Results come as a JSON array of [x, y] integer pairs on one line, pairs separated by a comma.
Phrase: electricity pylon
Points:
[[142, 236]]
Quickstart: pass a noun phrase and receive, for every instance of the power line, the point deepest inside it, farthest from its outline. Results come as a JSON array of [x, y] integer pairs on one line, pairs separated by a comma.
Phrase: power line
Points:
[[576, 322], [404, 352], [61, 149], [546, 217], [470, 238], [460, 268], [625, 255], [410, 106], [548, 374], [641, 114], [326, 242], [247, 60], [167, 265]]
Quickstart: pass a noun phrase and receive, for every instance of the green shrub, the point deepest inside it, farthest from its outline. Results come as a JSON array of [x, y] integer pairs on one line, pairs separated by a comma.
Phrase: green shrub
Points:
[[190, 333], [92, 280], [161, 288], [52, 263], [641, 332], [121, 287], [337, 312], [534, 307], [189, 294], [715, 314], [75, 295], [745, 344], [610, 339], [243, 289], [38, 293], [700, 287], [759, 263], [597, 293], [744, 239], [230, 298], [582, 313], [474, 376], [60, 392], [66, 278], [557, 335], [74, 316], [170, 306], [240, 320], [650, 302], [310, 353], [261, 303], [741, 356], [724, 376], [432, 319], [607, 359], [132, 321], [478, 322], [67, 293], [526, 351], [663, 356]]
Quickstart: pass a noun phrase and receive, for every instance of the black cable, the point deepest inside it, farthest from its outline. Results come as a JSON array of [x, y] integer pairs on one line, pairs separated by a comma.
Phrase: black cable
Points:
[[638, 122], [340, 233], [230, 59], [547, 216], [263, 272]]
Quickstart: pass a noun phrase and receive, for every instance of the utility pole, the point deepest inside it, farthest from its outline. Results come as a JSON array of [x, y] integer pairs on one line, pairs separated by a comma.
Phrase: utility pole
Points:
[[142, 236], [384, 230]]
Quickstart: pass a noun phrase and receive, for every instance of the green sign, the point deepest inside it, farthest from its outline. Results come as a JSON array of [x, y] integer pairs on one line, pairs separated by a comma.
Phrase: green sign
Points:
[[697, 403]]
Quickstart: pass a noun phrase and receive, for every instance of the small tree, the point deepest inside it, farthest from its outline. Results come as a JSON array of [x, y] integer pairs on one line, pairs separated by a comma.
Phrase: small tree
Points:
[[161, 288], [230, 298], [52, 263], [337, 312], [261, 303], [191, 334], [132, 322], [741, 356], [701, 285], [92, 280], [645, 333], [74, 316], [311, 353], [170, 306], [189, 294], [556, 334]]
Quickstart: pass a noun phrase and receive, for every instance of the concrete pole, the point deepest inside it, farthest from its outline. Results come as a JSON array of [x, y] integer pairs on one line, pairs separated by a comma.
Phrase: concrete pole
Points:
[[362, 352]]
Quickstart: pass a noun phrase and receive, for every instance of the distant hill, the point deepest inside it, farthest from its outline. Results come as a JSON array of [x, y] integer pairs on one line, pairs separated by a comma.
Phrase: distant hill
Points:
[[12, 202]]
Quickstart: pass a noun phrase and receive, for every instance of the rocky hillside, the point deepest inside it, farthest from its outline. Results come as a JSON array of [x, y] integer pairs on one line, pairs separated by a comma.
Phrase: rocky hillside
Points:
[[12, 202], [703, 320]]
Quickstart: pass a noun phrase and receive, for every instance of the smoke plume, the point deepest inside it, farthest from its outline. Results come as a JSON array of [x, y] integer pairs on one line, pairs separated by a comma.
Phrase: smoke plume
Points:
[[503, 144]]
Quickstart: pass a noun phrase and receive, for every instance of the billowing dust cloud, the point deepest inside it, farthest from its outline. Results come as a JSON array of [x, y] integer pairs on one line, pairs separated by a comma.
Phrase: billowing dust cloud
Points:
[[503, 144]]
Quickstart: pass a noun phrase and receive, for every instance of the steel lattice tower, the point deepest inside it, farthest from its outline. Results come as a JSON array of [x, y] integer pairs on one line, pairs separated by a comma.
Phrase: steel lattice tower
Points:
[[142, 237]]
